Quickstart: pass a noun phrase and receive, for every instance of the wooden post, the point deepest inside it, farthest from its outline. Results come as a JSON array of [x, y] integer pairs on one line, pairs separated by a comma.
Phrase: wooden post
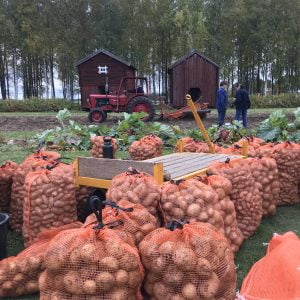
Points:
[[199, 123], [180, 145]]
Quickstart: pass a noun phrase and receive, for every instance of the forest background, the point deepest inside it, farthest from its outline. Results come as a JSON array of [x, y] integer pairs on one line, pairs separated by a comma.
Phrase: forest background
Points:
[[254, 41]]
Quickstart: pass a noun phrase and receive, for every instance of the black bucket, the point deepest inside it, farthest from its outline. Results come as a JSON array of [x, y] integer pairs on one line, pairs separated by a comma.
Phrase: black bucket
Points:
[[3, 235]]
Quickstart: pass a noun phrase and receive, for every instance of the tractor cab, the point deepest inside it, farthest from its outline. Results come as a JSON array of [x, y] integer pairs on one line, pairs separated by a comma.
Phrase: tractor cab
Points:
[[131, 96]]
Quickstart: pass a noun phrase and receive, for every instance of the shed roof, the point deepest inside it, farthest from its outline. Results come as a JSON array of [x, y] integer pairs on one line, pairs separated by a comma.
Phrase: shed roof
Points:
[[180, 60], [121, 60]]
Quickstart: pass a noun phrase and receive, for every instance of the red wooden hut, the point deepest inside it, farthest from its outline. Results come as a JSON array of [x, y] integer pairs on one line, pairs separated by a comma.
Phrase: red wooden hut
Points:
[[195, 74], [91, 82]]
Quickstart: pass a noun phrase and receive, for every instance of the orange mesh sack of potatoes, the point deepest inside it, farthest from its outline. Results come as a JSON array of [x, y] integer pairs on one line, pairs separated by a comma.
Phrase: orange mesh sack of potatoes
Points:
[[147, 147], [91, 264], [138, 222], [19, 274], [265, 172], [276, 275], [31, 163], [191, 200], [190, 262], [287, 156], [97, 146], [49, 200], [190, 145], [223, 188], [136, 187], [7, 171], [245, 194]]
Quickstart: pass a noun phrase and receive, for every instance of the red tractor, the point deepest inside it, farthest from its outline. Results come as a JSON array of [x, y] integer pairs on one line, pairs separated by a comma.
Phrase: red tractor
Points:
[[130, 97]]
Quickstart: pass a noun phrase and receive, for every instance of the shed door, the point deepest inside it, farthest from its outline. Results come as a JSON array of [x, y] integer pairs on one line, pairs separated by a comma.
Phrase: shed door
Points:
[[195, 93], [85, 92]]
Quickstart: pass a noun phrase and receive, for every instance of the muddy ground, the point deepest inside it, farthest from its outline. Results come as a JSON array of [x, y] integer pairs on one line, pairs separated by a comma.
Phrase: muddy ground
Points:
[[39, 123]]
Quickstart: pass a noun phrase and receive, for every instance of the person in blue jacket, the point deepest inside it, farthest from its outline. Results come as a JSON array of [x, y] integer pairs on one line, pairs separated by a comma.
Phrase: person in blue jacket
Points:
[[222, 102], [242, 104]]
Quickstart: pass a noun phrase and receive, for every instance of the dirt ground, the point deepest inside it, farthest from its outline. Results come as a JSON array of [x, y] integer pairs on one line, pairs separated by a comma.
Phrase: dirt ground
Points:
[[39, 123]]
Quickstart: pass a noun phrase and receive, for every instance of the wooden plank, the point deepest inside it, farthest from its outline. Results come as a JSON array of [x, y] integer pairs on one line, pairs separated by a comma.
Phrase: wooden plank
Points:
[[204, 164], [176, 161], [103, 168], [187, 163], [168, 157]]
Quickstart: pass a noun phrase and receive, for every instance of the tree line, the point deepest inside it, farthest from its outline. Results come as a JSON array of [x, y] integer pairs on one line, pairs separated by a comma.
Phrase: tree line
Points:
[[255, 42]]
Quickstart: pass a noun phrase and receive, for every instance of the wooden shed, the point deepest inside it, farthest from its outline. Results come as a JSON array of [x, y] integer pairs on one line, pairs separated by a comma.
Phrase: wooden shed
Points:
[[91, 82], [195, 74]]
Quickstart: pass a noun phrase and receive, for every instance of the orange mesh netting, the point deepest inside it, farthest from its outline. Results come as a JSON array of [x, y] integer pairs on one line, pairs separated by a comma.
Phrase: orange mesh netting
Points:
[[7, 171], [191, 200], [223, 188], [49, 200], [97, 146], [193, 262], [91, 264], [139, 222], [147, 147], [245, 194], [31, 163], [277, 275], [265, 173], [190, 145], [136, 187], [19, 275]]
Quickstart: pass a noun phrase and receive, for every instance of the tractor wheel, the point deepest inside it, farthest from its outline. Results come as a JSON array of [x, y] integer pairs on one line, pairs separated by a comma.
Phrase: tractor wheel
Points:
[[141, 104], [97, 115]]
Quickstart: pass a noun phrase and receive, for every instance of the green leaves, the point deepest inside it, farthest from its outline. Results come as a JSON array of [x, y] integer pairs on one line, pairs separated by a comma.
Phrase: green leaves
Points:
[[277, 128]]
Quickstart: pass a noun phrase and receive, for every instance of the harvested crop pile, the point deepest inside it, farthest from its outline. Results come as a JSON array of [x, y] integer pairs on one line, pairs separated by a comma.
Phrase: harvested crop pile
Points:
[[19, 275], [265, 172], [136, 187], [190, 145], [91, 264], [139, 222], [223, 188], [97, 146], [262, 151], [147, 147], [193, 262], [245, 193], [7, 171], [31, 163], [287, 156], [49, 200], [191, 200]]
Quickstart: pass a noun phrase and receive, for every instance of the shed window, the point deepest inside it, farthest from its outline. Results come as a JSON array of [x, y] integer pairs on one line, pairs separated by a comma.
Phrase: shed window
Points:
[[195, 93]]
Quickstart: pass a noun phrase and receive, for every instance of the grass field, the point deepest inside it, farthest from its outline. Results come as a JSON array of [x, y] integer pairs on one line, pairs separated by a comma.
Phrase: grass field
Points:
[[286, 218]]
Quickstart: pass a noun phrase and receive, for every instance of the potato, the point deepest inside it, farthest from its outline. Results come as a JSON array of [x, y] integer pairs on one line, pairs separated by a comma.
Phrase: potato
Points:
[[72, 282], [135, 279], [210, 287], [119, 294], [189, 291], [122, 277], [89, 287], [159, 290], [105, 281], [173, 276], [184, 258], [32, 287], [109, 263]]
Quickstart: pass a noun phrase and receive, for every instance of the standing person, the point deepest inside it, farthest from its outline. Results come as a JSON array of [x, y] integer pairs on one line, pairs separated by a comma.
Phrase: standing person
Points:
[[222, 102], [242, 103]]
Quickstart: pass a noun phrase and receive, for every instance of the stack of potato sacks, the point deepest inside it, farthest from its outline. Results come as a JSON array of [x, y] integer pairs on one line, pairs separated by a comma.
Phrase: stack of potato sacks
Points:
[[32, 163], [245, 193], [147, 147], [97, 146], [49, 201], [7, 171]]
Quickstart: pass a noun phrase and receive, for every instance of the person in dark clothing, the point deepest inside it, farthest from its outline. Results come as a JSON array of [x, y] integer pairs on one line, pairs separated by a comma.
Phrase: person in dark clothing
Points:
[[222, 102], [242, 104]]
